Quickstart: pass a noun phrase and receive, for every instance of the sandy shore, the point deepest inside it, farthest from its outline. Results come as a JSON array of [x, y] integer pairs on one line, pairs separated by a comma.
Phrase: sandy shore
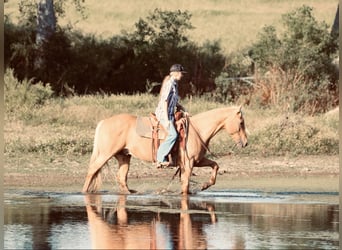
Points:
[[313, 173]]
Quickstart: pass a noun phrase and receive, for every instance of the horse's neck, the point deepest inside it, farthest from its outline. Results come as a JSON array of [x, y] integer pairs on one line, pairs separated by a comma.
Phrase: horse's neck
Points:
[[209, 123]]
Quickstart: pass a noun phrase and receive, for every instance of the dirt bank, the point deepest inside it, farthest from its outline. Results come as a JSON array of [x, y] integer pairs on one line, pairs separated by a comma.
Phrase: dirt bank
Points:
[[318, 173]]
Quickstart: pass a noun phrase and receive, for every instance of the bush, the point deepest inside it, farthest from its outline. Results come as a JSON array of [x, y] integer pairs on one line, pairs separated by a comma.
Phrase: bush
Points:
[[23, 96], [297, 69], [126, 63], [293, 136], [293, 71]]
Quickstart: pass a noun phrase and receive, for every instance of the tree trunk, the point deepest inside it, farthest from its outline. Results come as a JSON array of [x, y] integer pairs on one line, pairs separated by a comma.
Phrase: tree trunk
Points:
[[46, 26], [335, 26]]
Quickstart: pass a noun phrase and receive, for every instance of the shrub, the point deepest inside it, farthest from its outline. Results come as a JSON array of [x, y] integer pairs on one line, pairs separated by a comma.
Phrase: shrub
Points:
[[81, 64], [23, 96], [293, 136], [292, 71], [297, 68]]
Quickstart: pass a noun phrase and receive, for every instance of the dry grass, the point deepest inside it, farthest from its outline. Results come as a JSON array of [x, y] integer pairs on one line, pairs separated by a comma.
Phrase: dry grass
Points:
[[65, 126], [235, 23]]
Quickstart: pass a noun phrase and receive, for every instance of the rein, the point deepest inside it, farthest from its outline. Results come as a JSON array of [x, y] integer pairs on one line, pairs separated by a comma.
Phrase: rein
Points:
[[205, 146], [188, 122], [202, 142]]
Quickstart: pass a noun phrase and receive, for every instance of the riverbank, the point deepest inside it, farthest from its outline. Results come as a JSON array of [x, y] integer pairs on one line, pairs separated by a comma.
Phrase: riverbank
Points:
[[304, 173]]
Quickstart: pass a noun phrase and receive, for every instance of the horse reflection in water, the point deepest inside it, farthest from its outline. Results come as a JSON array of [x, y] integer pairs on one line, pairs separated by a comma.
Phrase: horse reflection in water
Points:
[[112, 227]]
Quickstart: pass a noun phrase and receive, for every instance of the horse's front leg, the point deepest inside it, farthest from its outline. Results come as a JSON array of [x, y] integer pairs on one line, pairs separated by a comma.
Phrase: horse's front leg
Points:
[[186, 170], [122, 173], [215, 168]]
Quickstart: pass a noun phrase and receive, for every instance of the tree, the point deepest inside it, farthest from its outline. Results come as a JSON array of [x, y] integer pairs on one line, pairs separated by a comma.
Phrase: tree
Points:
[[161, 39], [300, 62], [46, 27], [126, 63], [336, 25], [40, 19]]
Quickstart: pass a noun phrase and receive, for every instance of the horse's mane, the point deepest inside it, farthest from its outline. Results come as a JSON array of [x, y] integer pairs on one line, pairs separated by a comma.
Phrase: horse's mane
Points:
[[212, 112]]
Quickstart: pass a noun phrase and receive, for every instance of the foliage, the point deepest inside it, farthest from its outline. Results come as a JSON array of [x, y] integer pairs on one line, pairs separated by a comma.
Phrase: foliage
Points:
[[292, 71], [28, 10], [23, 96], [305, 46], [157, 41], [165, 28], [77, 63], [296, 69], [40, 124], [294, 136], [161, 40], [19, 48]]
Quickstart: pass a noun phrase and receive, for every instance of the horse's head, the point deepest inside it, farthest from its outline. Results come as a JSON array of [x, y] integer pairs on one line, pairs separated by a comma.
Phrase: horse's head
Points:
[[235, 126]]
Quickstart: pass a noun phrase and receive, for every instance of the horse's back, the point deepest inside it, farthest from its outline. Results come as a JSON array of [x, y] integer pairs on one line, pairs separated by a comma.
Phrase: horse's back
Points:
[[122, 116], [118, 119], [115, 125]]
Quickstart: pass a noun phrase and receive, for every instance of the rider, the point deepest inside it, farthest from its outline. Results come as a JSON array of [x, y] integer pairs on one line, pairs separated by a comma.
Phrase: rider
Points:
[[165, 112]]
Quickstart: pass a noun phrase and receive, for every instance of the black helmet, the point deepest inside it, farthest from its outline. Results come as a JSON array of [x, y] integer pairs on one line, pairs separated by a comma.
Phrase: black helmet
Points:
[[177, 68]]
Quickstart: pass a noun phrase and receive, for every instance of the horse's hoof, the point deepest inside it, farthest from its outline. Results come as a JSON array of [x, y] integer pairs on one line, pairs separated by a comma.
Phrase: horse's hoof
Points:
[[186, 193], [125, 191], [163, 191], [205, 186]]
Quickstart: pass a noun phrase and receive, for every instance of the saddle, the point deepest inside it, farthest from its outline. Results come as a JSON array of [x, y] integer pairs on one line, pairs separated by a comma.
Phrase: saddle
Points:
[[150, 127]]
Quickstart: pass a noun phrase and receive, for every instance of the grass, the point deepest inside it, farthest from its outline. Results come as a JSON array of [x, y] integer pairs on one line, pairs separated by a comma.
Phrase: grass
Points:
[[234, 23], [61, 129], [65, 126], [48, 144]]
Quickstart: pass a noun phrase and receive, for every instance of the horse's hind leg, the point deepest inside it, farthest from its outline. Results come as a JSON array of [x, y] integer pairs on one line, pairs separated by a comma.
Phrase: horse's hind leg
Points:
[[121, 176], [215, 168]]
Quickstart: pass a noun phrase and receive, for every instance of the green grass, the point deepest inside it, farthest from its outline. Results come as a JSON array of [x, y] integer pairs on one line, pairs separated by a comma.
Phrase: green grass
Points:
[[235, 23]]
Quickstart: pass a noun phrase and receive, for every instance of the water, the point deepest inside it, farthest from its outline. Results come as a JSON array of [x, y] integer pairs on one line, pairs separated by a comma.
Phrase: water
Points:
[[207, 220]]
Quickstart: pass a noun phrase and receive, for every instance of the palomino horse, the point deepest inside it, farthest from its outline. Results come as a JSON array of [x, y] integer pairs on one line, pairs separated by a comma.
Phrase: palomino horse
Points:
[[116, 136]]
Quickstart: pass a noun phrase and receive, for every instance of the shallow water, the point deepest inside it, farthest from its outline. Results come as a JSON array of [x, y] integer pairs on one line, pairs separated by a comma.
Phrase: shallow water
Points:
[[208, 220]]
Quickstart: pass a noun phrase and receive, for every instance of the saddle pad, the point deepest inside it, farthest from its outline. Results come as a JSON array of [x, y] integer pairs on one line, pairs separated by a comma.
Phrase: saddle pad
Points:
[[144, 128]]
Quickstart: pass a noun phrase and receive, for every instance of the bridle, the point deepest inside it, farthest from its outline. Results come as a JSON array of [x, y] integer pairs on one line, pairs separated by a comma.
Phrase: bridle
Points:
[[201, 140], [187, 124], [203, 143]]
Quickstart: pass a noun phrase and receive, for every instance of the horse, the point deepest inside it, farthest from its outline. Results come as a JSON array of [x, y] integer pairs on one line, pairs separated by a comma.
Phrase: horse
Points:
[[117, 137]]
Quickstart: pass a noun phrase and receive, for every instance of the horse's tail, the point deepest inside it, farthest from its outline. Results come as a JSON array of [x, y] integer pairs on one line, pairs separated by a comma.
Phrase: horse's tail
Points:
[[95, 183], [94, 180]]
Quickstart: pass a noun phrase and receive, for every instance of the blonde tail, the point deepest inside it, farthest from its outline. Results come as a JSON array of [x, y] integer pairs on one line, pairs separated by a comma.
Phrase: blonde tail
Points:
[[94, 179]]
